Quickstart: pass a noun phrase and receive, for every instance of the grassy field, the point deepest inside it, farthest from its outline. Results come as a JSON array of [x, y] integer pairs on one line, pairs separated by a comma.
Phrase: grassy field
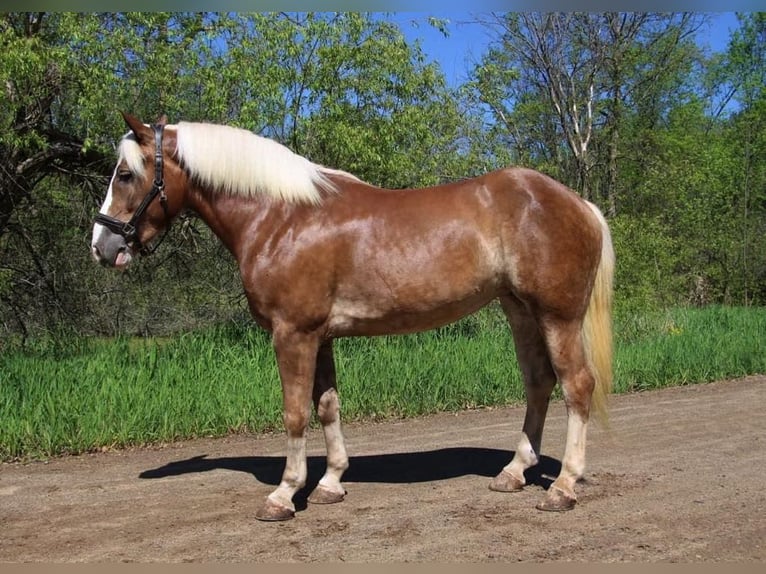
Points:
[[70, 394]]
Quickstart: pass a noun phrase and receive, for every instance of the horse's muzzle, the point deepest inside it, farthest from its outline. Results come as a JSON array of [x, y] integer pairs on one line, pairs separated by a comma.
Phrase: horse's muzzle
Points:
[[110, 249]]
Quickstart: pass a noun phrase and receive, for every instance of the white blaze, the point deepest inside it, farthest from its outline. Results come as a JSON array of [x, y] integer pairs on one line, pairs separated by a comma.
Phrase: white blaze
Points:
[[98, 229]]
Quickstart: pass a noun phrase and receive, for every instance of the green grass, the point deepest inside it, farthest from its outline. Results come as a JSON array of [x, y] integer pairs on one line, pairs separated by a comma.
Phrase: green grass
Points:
[[683, 346], [70, 394]]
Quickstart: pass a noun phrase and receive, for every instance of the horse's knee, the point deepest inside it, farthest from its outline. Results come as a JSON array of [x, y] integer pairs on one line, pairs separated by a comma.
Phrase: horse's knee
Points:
[[295, 423]]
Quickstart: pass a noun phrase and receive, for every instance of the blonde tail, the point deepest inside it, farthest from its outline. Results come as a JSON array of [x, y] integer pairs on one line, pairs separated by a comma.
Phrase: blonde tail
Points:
[[597, 327]]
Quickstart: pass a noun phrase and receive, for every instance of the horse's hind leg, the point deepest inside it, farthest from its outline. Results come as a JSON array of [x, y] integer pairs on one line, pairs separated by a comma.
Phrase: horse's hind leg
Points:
[[327, 406], [567, 351], [539, 380]]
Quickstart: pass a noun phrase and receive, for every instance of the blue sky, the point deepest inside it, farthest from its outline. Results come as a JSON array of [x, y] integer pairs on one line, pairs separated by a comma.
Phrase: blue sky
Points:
[[467, 41]]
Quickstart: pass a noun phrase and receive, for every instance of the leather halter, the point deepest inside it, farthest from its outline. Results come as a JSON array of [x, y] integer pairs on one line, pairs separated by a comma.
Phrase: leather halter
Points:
[[129, 229]]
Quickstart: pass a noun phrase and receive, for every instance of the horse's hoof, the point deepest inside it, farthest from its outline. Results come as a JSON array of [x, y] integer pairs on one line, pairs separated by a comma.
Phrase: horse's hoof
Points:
[[273, 512], [556, 500], [322, 495], [506, 482]]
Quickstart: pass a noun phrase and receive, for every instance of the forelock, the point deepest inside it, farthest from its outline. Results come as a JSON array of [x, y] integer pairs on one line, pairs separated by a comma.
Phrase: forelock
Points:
[[130, 152]]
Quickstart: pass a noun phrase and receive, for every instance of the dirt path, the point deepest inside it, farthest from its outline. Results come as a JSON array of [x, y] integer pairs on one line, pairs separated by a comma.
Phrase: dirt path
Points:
[[681, 477]]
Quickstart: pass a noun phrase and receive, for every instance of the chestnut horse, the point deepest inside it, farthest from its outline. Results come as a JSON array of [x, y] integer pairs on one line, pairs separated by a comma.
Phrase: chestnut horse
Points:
[[323, 254]]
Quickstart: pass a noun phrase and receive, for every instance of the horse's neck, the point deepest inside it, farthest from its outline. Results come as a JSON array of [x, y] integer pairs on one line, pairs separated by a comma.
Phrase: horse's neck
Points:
[[239, 222]]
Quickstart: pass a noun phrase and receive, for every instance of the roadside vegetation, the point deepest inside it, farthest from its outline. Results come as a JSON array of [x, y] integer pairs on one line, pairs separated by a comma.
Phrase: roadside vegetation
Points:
[[74, 394]]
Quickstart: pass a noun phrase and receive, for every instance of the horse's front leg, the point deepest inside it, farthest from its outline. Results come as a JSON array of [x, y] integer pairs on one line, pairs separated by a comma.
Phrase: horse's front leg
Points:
[[329, 489], [296, 357]]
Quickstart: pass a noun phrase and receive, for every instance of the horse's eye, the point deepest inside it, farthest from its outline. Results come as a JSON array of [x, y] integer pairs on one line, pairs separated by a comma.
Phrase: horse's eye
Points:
[[124, 176]]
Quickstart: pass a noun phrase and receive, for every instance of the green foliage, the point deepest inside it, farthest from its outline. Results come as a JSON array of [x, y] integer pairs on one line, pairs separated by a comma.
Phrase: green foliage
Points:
[[644, 271], [376, 110], [694, 199]]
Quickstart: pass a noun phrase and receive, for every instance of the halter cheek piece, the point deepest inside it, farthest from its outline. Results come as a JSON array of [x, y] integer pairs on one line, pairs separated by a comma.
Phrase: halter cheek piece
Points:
[[129, 229]]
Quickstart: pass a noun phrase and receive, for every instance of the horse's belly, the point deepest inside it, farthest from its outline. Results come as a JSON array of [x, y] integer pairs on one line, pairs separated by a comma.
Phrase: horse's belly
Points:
[[354, 317]]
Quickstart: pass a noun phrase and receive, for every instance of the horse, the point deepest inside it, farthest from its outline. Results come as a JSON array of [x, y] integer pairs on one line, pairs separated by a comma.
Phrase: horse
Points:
[[322, 255]]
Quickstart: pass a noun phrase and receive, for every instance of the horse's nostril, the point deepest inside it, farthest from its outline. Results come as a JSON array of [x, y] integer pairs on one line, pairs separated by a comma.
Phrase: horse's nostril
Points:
[[96, 252]]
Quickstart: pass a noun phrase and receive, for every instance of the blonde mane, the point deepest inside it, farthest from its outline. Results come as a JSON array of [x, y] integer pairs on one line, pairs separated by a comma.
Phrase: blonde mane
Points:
[[236, 161]]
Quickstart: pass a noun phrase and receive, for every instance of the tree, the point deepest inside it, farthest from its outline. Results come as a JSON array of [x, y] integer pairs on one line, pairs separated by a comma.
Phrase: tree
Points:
[[701, 179], [744, 75], [349, 92]]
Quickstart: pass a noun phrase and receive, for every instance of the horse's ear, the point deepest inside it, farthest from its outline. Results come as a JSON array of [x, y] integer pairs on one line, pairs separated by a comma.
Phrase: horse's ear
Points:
[[140, 130], [162, 120]]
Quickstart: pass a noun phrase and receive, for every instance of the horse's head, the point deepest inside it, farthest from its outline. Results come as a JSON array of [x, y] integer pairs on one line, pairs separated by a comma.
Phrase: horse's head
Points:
[[145, 193]]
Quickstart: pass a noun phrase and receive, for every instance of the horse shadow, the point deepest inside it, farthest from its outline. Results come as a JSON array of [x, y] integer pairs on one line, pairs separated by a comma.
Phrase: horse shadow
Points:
[[395, 468]]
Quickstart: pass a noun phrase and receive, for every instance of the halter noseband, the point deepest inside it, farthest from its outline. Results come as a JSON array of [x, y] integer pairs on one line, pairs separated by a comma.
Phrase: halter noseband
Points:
[[129, 229]]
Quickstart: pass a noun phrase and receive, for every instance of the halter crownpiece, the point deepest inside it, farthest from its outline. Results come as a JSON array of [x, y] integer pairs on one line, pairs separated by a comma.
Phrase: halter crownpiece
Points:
[[129, 229]]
